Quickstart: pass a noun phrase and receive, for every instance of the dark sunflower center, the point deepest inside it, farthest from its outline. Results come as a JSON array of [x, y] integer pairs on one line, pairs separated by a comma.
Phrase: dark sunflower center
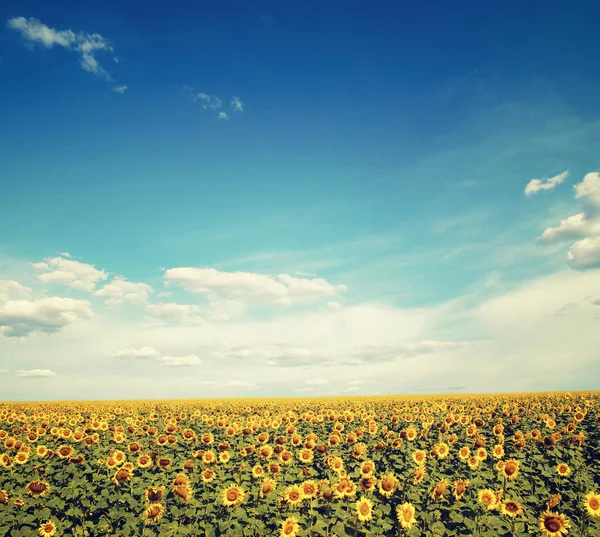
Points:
[[595, 504], [232, 495], [552, 524], [364, 509]]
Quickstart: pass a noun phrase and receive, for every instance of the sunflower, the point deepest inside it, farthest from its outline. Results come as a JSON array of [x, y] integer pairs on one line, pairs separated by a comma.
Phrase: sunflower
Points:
[[563, 469], [164, 462], [487, 498], [419, 456], [553, 501], [3, 497], [464, 453], [309, 489], [419, 474], [289, 527], [258, 471], [306, 456], [154, 512], [183, 491], [293, 495], [592, 504], [364, 509], [553, 524], [473, 462], [510, 469], [64, 452], [47, 529], [41, 451], [481, 454], [406, 515], [268, 485], [144, 461], [209, 457], [19, 502], [498, 451], [22, 457], [459, 488], [367, 483], [38, 489], [367, 468], [441, 450], [439, 489], [123, 475], [224, 457], [511, 508], [208, 475], [388, 485], [232, 495], [154, 495]]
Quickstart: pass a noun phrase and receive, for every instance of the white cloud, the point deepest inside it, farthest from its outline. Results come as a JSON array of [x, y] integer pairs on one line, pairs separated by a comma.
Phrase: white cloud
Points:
[[585, 254], [237, 105], [120, 89], [251, 287], [317, 382], [178, 313], [214, 103], [60, 270], [19, 318], [35, 373], [535, 185], [304, 390], [573, 227], [87, 45], [589, 190], [333, 306], [133, 354], [150, 353], [165, 294], [119, 290], [211, 102], [241, 385], [12, 288], [3, 370], [179, 361]]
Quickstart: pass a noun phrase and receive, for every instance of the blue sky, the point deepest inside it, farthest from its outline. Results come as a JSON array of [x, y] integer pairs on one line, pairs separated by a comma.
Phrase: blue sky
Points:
[[223, 192]]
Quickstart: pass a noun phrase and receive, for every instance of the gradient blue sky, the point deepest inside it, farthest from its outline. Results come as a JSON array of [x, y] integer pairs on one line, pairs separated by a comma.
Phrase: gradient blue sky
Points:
[[379, 156]]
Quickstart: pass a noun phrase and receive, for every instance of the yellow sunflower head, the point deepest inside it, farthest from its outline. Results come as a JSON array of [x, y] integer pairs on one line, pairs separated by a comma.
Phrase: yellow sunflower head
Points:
[[553, 524], [37, 489], [592, 503], [232, 495], [364, 509], [47, 529], [405, 513], [511, 508]]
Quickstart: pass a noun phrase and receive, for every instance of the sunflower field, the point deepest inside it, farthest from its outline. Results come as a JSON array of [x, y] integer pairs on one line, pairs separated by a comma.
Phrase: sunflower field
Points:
[[503, 465]]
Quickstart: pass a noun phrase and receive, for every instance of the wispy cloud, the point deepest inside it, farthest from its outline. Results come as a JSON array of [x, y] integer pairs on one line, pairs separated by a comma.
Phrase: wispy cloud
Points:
[[237, 105], [213, 103], [86, 45], [150, 353], [35, 373], [536, 185], [282, 289], [120, 89]]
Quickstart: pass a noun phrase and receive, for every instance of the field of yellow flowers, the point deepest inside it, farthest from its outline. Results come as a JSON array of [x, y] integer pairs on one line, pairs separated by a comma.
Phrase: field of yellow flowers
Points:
[[448, 465]]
